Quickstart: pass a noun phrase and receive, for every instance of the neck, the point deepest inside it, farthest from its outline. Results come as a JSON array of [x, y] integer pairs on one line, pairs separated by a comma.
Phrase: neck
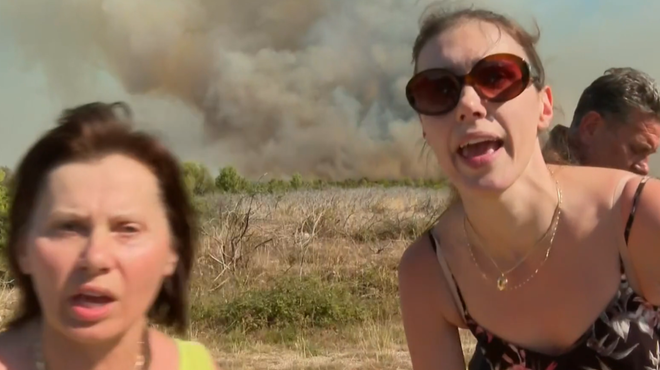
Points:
[[60, 352], [508, 224]]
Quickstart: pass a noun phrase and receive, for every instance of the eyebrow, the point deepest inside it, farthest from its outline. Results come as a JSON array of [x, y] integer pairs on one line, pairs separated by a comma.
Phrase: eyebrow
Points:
[[66, 212], [69, 212]]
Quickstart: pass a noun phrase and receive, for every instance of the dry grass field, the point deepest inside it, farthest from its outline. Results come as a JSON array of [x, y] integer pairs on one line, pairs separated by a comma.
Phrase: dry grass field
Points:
[[305, 279]]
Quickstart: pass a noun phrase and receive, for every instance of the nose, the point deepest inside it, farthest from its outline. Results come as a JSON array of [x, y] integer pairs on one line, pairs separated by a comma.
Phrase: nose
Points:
[[96, 258], [641, 167], [469, 105]]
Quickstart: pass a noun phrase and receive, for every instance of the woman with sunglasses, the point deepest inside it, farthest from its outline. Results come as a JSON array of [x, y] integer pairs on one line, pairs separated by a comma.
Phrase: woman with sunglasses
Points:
[[101, 244], [550, 267]]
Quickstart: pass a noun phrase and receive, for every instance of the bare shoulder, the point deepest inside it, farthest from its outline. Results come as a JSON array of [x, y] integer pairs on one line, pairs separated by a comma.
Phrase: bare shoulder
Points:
[[416, 268], [640, 216], [429, 313], [636, 189], [594, 183], [418, 259], [416, 254], [421, 275]]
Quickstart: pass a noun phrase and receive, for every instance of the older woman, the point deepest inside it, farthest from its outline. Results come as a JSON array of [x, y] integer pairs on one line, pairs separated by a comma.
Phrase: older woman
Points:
[[100, 243]]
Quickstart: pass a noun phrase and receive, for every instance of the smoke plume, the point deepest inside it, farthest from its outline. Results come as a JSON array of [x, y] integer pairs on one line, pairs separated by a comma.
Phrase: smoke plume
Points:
[[280, 86]]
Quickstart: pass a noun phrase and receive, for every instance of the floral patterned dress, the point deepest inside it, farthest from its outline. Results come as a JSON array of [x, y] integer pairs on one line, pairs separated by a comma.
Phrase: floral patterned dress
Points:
[[624, 337]]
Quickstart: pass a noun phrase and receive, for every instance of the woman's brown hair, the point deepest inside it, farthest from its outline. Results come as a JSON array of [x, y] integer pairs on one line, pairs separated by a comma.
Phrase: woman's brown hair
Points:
[[561, 147], [88, 132], [437, 19]]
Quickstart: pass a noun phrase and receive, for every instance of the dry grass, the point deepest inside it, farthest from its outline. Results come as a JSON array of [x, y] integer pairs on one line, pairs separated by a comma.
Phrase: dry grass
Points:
[[7, 299], [305, 280]]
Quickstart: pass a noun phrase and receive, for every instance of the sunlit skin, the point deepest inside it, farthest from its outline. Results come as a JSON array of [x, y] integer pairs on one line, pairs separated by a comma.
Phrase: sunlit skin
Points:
[[100, 223], [516, 122], [511, 201], [621, 145]]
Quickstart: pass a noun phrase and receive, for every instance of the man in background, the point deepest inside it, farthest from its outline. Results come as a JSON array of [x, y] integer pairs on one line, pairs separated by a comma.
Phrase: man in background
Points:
[[616, 124]]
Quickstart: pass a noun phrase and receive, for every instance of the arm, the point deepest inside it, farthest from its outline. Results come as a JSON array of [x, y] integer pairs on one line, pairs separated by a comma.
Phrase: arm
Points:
[[433, 342], [644, 239]]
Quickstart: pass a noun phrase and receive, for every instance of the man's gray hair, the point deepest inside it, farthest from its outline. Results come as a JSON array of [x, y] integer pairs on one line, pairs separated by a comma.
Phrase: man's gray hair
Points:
[[617, 94]]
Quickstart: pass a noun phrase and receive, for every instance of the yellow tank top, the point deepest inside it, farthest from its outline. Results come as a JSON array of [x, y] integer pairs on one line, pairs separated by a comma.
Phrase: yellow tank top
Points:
[[193, 356]]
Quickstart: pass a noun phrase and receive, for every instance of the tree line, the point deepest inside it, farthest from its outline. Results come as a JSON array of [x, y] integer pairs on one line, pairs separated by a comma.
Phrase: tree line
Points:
[[200, 181]]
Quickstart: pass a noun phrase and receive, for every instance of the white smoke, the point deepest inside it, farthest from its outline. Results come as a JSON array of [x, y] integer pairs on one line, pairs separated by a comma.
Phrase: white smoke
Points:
[[283, 86]]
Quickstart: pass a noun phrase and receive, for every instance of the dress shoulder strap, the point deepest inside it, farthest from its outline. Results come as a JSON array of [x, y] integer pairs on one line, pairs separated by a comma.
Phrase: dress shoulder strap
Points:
[[449, 277], [633, 209]]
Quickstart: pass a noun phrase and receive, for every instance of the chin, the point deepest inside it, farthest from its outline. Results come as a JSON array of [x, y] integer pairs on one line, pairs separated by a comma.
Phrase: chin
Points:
[[93, 333], [490, 183], [493, 178], [487, 186]]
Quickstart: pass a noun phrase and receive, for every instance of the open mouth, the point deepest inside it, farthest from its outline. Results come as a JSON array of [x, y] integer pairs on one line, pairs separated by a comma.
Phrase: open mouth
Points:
[[478, 152], [91, 300], [91, 306], [480, 147]]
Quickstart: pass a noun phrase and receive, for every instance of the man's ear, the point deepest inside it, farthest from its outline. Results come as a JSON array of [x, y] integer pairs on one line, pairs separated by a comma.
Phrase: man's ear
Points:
[[589, 126]]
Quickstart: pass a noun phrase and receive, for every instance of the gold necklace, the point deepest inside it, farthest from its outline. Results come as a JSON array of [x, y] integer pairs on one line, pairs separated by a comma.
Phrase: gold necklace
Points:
[[141, 363], [502, 280]]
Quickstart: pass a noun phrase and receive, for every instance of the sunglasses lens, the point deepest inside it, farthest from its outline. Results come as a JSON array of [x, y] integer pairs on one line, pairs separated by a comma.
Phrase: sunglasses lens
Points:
[[433, 92], [496, 78], [500, 79]]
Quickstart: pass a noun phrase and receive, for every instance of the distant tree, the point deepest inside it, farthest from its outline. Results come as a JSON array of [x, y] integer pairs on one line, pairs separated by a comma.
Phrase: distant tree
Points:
[[296, 181], [4, 226], [230, 181], [197, 177], [277, 186], [6, 175]]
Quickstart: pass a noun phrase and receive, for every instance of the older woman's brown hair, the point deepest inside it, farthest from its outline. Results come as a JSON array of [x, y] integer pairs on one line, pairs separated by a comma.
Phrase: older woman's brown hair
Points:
[[86, 133], [561, 147]]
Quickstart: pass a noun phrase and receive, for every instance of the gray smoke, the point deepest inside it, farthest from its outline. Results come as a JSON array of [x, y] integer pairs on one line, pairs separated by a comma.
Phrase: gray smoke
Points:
[[283, 86]]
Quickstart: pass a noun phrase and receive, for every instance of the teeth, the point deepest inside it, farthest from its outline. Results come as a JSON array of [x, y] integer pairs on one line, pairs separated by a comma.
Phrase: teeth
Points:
[[94, 295], [89, 304], [475, 141]]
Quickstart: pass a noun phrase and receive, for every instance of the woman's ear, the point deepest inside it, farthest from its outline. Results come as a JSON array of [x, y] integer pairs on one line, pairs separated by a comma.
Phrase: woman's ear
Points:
[[172, 262], [23, 261], [546, 108]]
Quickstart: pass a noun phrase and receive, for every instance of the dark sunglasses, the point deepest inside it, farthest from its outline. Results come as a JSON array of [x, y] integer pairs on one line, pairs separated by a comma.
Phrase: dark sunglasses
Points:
[[496, 78]]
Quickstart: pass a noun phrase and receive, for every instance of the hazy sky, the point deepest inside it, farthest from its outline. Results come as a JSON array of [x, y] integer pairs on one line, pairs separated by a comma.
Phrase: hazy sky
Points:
[[580, 39]]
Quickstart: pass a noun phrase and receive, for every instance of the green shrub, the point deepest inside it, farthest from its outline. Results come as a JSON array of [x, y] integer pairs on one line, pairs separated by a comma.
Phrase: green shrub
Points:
[[275, 186], [296, 181], [6, 176], [301, 302], [230, 181], [198, 179], [4, 226]]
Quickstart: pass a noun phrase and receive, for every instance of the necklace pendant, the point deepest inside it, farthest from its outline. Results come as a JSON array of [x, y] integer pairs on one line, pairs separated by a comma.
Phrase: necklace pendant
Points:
[[502, 281]]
